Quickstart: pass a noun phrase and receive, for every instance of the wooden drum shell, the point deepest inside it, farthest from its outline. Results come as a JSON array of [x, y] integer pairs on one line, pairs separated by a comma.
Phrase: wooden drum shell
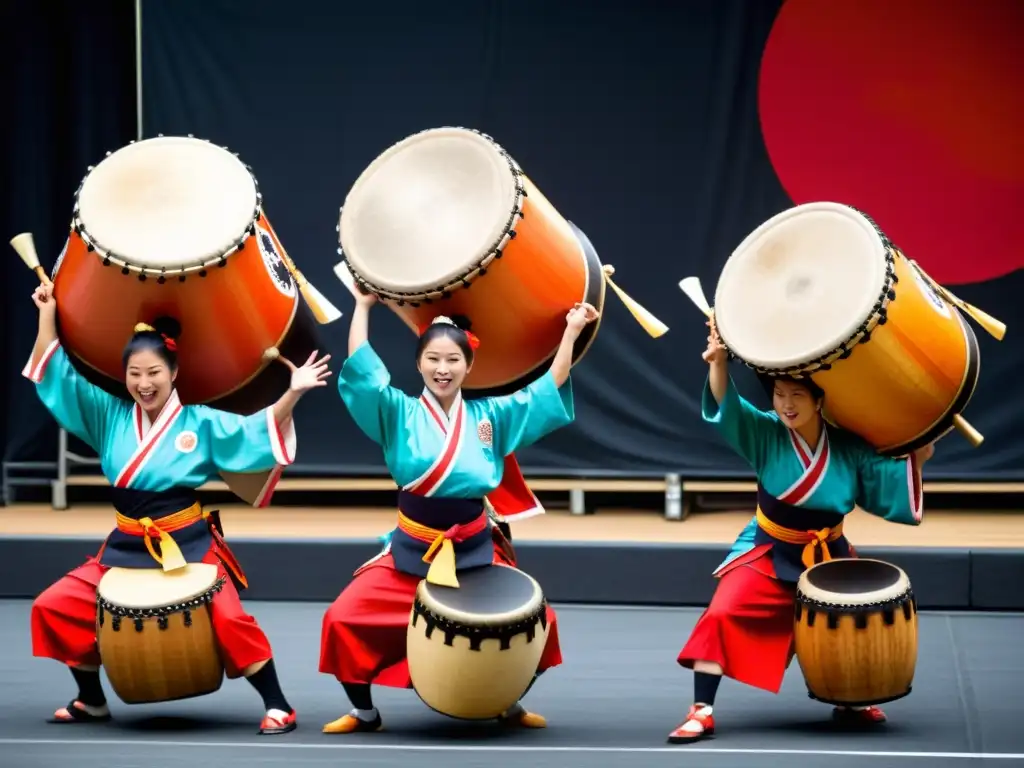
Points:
[[857, 656], [229, 316], [900, 390], [168, 656], [470, 673]]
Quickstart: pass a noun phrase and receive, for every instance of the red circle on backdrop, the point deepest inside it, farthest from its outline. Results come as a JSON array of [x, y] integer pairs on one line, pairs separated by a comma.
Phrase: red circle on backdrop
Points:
[[911, 111]]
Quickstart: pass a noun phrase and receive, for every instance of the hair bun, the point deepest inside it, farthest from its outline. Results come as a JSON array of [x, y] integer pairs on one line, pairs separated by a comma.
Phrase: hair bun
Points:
[[167, 326], [462, 322]]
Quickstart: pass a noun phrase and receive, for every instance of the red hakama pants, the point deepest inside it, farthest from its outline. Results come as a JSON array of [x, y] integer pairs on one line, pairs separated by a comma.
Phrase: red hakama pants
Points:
[[64, 621], [748, 627], [364, 631]]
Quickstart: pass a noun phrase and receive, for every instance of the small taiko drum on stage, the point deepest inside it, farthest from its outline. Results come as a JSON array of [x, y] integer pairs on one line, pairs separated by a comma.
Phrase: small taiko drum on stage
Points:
[[820, 291], [856, 632], [445, 222], [174, 226], [155, 632], [473, 651]]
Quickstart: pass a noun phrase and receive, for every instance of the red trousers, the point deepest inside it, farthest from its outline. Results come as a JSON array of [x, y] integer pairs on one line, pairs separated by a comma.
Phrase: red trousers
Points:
[[64, 621], [364, 631], [748, 627]]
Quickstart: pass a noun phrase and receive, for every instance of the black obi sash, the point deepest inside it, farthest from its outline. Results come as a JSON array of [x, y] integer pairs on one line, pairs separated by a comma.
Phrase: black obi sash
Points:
[[788, 558], [440, 514], [123, 550]]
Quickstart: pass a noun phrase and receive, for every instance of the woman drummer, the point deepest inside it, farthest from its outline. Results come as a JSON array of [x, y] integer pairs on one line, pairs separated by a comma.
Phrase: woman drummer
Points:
[[446, 454], [155, 452], [809, 477]]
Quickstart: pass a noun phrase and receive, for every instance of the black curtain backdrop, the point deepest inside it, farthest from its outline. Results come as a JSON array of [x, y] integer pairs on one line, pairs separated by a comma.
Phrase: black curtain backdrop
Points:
[[70, 74], [638, 120]]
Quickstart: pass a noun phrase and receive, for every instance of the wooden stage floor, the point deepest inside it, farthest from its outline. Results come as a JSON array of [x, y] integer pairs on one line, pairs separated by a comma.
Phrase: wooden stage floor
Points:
[[941, 528]]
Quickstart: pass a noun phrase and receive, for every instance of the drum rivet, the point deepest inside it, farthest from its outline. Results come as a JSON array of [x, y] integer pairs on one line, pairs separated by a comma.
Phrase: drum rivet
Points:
[[202, 273], [125, 270], [106, 262], [161, 280], [142, 277], [181, 279]]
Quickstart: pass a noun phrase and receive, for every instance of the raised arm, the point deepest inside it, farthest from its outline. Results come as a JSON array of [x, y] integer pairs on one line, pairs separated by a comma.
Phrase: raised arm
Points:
[[893, 489], [79, 406], [747, 430], [526, 416], [365, 383]]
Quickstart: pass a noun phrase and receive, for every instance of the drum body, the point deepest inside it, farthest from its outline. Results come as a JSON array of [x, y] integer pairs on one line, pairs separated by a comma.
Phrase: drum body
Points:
[[856, 632], [446, 223], [473, 651], [175, 227], [819, 291], [155, 633]]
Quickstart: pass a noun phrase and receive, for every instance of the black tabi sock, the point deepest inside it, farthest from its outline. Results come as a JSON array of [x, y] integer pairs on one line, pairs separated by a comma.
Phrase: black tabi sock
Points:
[[359, 695], [705, 687], [90, 690], [266, 684]]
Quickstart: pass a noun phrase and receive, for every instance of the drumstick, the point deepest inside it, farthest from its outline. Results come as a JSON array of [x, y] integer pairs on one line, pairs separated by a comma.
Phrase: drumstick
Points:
[[654, 327], [324, 312], [974, 437], [343, 273], [273, 353], [692, 288], [994, 327], [25, 245]]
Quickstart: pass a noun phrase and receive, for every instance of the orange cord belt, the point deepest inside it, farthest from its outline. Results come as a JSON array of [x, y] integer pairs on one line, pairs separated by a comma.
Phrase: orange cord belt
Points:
[[441, 552], [170, 558], [813, 540]]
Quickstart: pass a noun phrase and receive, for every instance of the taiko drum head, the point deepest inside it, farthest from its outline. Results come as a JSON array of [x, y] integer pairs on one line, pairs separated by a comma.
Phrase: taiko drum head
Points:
[[489, 596], [853, 582], [168, 203], [800, 285], [427, 210], [138, 588]]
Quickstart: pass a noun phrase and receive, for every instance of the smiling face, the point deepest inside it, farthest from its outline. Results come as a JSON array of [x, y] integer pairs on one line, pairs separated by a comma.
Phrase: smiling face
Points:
[[149, 381], [443, 367], [795, 404]]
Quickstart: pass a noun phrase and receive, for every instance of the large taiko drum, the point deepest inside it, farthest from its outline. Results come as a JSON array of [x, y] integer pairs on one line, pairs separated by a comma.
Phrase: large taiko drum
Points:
[[174, 226], [473, 651], [819, 291], [445, 222], [855, 632], [155, 633]]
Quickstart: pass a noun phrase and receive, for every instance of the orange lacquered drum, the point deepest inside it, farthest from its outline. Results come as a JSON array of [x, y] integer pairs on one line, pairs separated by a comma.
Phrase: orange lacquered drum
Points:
[[819, 291], [446, 223], [174, 226]]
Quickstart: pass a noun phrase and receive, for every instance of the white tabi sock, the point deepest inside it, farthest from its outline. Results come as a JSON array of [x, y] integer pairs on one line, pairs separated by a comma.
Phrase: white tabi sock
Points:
[[366, 715]]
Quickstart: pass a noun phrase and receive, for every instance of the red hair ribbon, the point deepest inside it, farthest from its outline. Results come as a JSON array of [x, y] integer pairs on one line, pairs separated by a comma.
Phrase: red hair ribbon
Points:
[[169, 342], [474, 342]]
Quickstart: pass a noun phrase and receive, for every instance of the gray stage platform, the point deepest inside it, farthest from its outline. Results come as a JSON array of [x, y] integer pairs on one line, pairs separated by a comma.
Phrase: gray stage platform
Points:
[[612, 703], [570, 572]]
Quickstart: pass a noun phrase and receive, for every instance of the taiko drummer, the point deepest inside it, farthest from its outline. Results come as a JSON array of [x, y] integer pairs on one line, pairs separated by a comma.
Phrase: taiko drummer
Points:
[[155, 451], [447, 455], [809, 477]]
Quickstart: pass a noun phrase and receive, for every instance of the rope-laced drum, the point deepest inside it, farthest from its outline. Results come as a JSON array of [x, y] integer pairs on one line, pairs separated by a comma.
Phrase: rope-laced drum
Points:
[[155, 632], [855, 632], [175, 226], [473, 651], [820, 291], [445, 222]]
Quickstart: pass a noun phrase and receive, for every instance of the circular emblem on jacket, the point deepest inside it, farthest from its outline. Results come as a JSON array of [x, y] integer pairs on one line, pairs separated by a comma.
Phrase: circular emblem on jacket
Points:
[[186, 442], [485, 432]]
